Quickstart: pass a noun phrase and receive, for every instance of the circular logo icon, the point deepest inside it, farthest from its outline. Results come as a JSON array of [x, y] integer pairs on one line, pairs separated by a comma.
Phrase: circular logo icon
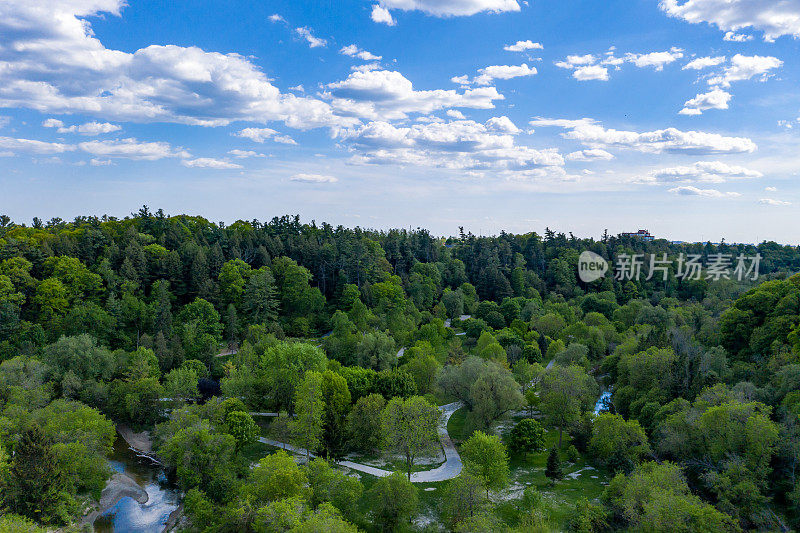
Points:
[[591, 267]]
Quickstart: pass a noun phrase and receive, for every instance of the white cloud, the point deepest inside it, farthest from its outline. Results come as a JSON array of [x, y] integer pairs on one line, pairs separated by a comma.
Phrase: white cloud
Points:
[[89, 128], [743, 68], [100, 162], [242, 154], [455, 113], [487, 75], [354, 51], [313, 178], [589, 155], [737, 37], [381, 15], [451, 8], [771, 189], [593, 72], [656, 60], [669, 140], [591, 67], [574, 61], [53, 63], [702, 172], [774, 203], [313, 42], [502, 125], [715, 99], [9, 144], [704, 62], [132, 149], [773, 17], [706, 193], [277, 18], [4, 121], [388, 95], [523, 46], [261, 135], [209, 162], [457, 145]]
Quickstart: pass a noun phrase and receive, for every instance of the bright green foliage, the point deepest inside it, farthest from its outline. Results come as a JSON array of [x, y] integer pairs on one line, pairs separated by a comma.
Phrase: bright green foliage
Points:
[[309, 405], [486, 458], [275, 477], [333, 486], [655, 498], [394, 500], [410, 428], [527, 436], [566, 392], [617, 442], [242, 427], [364, 423], [465, 497], [336, 397]]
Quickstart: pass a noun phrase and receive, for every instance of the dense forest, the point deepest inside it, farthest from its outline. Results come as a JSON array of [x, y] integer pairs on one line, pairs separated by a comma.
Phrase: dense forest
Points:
[[215, 338]]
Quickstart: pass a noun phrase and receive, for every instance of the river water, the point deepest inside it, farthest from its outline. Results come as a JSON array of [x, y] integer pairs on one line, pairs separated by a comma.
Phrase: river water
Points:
[[129, 516]]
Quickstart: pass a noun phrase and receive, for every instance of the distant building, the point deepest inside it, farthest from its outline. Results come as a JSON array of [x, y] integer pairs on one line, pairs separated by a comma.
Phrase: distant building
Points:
[[641, 234]]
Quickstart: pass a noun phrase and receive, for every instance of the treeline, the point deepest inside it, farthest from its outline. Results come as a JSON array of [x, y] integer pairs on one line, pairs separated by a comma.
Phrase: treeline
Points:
[[183, 326]]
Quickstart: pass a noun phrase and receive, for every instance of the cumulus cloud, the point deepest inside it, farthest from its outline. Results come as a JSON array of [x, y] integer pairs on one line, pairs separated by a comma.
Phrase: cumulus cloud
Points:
[[706, 193], [774, 203], [306, 34], [702, 172], [771, 189], [656, 60], [487, 75], [744, 68], [89, 128], [716, 99], [388, 95], [591, 67], [704, 62], [209, 162], [381, 15], [313, 178], [132, 149], [52, 62], [775, 18], [276, 18], [451, 8], [589, 155], [523, 46], [456, 145], [669, 140], [737, 37], [354, 51], [11, 146], [502, 125], [592, 72], [261, 135]]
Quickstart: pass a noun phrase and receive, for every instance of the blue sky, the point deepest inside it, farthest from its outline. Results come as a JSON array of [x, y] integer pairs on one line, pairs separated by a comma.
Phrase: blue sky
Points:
[[682, 116]]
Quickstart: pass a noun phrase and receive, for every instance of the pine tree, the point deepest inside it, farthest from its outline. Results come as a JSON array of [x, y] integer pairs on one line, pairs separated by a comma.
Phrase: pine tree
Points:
[[553, 470], [35, 486]]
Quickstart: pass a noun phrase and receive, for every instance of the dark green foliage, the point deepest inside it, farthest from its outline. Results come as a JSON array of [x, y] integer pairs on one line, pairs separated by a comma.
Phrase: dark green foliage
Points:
[[553, 470], [35, 486]]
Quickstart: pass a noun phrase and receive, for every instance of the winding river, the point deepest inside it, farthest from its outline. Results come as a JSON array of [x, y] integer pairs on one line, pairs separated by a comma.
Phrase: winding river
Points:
[[128, 515]]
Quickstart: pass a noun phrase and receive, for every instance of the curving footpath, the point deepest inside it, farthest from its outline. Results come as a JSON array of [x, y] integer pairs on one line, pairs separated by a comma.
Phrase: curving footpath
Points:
[[448, 470]]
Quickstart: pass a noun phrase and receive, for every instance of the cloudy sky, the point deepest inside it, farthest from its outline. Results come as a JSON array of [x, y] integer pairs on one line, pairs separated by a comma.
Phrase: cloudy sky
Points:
[[680, 116]]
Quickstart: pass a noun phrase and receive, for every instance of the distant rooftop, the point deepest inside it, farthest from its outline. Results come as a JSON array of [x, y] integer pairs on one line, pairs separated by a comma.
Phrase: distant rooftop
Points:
[[641, 234]]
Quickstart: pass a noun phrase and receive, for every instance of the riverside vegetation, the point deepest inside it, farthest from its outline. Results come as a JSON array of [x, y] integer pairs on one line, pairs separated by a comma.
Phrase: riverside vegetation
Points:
[[186, 328]]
